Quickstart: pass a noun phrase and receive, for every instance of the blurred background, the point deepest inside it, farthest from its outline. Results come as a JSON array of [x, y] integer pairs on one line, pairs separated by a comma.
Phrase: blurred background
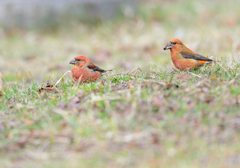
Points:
[[156, 118], [41, 37]]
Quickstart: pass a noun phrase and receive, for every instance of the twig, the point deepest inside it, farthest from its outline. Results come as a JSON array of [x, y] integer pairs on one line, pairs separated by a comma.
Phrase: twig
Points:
[[195, 74], [61, 78], [170, 81], [136, 70], [103, 98], [130, 70]]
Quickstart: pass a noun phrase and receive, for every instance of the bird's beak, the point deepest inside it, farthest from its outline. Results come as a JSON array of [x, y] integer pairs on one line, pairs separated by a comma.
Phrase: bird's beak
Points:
[[73, 62], [168, 46]]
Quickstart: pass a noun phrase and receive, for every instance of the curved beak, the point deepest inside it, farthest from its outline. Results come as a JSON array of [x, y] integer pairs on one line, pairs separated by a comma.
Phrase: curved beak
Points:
[[168, 46], [73, 62]]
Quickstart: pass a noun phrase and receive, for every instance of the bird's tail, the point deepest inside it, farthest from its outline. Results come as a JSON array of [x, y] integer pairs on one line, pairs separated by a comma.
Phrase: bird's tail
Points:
[[210, 62], [109, 70], [104, 72]]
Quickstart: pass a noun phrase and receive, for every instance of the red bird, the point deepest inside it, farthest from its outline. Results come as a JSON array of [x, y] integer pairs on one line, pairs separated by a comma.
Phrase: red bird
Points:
[[85, 71], [183, 58]]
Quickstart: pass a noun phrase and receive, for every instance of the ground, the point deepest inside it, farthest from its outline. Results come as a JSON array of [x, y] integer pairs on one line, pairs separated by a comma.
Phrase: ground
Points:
[[145, 113]]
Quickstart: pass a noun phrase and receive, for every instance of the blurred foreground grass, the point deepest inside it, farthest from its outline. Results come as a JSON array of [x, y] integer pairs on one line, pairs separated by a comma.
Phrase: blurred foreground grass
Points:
[[149, 117]]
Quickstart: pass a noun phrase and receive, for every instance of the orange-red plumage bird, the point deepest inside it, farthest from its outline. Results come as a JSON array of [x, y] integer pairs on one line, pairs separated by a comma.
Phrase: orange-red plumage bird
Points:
[[85, 71], [183, 58]]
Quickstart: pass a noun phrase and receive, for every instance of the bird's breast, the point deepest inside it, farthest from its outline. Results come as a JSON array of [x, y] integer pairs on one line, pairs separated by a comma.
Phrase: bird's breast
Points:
[[85, 75]]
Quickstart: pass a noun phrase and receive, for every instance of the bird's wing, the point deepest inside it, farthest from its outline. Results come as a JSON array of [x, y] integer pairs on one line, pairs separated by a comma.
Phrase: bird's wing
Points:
[[95, 68], [194, 56]]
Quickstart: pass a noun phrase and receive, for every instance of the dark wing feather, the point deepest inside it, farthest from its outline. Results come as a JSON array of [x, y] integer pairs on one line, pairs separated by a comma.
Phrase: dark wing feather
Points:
[[95, 68], [194, 56]]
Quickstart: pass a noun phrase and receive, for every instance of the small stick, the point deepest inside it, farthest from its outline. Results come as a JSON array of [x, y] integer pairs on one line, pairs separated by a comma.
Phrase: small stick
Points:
[[61, 79], [195, 74]]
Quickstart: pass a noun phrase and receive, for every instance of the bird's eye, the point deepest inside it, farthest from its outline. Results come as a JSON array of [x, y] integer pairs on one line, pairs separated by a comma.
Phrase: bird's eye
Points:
[[174, 43], [77, 59]]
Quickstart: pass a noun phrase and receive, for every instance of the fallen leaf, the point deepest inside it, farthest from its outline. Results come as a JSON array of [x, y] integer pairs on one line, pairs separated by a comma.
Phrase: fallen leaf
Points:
[[22, 144], [49, 87], [155, 138], [169, 85]]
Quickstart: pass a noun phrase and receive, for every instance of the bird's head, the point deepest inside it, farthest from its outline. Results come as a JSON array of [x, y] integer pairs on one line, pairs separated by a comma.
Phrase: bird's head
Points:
[[80, 61], [174, 44]]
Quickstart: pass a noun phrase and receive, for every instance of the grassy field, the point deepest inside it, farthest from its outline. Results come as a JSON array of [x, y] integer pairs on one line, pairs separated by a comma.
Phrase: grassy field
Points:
[[143, 114]]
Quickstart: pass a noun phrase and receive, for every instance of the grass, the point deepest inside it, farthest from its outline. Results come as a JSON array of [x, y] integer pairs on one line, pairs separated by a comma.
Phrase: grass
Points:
[[144, 113]]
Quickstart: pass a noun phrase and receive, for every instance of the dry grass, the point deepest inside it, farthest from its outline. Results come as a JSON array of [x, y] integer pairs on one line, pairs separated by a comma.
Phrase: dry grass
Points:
[[143, 114]]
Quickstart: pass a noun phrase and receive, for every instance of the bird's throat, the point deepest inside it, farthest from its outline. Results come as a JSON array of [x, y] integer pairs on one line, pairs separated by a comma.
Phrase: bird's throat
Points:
[[75, 66]]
